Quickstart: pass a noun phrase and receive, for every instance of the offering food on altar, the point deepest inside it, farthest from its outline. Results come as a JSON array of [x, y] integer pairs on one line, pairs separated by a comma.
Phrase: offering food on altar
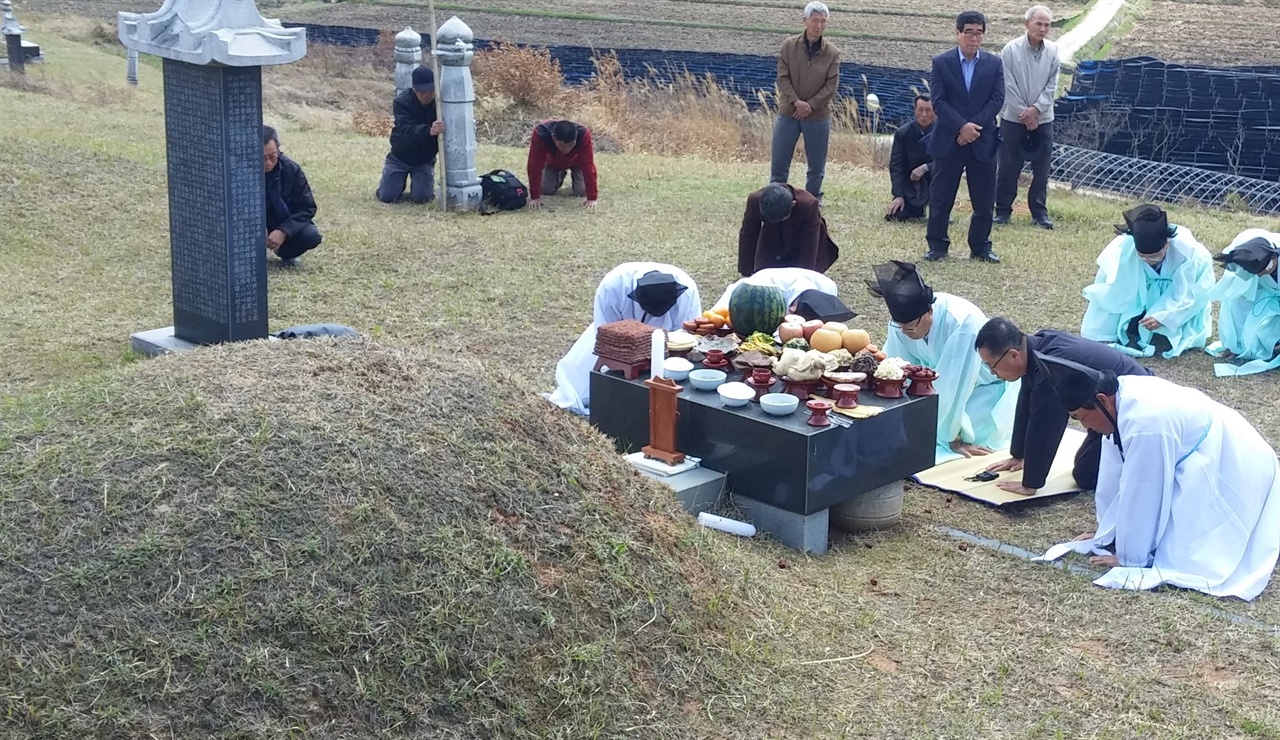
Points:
[[759, 342], [757, 308], [843, 358], [779, 404], [680, 341], [736, 394], [865, 362], [797, 343], [627, 341], [752, 360], [891, 368], [849, 378], [727, 345], [676, 368]]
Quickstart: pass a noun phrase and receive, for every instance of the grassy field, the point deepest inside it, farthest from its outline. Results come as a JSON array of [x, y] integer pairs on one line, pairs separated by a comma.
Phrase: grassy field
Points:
[[905, 633]]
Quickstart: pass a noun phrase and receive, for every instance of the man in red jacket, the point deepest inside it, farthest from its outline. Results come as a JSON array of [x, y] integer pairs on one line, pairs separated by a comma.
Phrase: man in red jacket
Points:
[[556, 149]]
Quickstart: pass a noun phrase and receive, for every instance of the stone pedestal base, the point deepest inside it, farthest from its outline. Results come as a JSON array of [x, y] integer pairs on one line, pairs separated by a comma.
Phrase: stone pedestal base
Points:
[[158, 342], [464, 198], [697, 490], [804, 532]]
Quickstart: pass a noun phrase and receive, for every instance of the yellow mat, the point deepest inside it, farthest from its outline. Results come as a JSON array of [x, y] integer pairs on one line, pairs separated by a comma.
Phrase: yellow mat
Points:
[[950, 476]]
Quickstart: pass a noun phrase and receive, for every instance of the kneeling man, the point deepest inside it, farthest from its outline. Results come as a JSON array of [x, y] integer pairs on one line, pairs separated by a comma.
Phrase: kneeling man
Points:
[[1152, 288], [1249, 315], [939, 330], [290, 204], [1188, 492]]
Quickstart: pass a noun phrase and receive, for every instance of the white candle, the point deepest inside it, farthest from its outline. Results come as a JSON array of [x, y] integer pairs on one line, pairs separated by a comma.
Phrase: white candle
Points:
[[658, 354]]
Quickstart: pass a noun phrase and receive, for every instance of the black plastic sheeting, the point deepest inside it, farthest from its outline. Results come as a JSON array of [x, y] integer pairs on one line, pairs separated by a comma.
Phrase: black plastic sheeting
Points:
[[1223, 119]]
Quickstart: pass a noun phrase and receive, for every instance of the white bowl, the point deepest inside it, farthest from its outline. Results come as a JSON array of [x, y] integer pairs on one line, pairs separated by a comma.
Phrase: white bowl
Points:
[[707, 380], [779, 404], [736, 394], [676, 368]]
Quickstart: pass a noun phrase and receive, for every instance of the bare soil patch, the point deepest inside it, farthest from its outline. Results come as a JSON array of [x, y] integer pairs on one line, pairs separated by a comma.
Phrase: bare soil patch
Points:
[[1204, 33]]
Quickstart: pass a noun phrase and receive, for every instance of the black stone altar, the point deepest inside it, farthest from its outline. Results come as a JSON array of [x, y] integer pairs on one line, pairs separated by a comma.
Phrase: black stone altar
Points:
[[217, 218], [796, 469]]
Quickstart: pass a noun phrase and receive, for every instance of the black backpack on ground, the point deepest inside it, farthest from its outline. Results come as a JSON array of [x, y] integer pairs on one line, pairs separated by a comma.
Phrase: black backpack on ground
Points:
[[502, 191]]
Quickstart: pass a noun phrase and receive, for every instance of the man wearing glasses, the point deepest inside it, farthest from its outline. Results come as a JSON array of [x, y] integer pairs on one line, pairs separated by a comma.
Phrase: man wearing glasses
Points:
[[1040, 418], [968, 92], [1152, 289], [937, 331]]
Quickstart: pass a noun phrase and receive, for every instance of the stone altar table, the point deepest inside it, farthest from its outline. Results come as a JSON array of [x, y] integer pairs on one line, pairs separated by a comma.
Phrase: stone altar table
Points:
[[784, 473]]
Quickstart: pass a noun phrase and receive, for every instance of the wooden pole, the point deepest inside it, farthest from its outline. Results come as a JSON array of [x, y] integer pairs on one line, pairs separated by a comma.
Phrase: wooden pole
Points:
[[442, 195]]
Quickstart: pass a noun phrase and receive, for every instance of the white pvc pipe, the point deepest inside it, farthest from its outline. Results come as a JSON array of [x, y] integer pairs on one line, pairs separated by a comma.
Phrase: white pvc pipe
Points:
[[732, 526]]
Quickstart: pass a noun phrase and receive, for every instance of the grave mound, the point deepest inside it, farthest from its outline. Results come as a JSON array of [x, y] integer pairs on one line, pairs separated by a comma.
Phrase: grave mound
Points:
[[340, 539]]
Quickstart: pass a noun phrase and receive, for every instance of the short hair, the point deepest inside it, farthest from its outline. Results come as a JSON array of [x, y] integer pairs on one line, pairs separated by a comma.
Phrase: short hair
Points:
[[566, 131], [1031, 12], [269, 134], [816, 7], [775, 202], [999, 335], [1108, 385], [970, 16], [926, 97]]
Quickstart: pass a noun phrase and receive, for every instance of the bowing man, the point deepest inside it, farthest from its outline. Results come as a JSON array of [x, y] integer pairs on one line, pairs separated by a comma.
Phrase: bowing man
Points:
[[938, 331], [663, 296], [1249, 318], [1040, 418], [1152, 288], [1188, 492], [792, 281]]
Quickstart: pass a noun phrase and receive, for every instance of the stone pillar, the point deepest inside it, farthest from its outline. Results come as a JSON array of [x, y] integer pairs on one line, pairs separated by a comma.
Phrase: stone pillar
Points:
[[408, 57], [131, 67], [457, 101], [213, 52], [12, 31]]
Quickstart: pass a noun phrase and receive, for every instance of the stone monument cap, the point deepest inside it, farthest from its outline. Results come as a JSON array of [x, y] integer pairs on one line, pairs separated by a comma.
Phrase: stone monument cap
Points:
[[408, 38], [11, 25], [454, 31], [229, 32]]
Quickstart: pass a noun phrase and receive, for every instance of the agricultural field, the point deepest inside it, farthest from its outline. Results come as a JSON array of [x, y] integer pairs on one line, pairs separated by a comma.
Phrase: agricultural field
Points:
[[1204, 33]]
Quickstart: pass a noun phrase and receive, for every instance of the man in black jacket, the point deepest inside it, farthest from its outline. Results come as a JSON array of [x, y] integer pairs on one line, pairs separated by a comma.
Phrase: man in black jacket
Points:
[[909, 165], [414, 143], [1041, 418], [290, 205]]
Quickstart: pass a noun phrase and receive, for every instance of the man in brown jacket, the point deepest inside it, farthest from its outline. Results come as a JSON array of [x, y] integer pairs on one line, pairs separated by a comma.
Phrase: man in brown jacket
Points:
[[784, 228], [808, 76]]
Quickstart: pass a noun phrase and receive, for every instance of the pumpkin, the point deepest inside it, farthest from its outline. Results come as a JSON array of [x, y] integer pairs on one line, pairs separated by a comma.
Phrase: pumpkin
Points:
[[855, 340], [825, 340], [757, 308]]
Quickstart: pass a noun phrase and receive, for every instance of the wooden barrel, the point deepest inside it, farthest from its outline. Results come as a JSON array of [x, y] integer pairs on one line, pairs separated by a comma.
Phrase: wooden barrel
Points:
[[879, 508]]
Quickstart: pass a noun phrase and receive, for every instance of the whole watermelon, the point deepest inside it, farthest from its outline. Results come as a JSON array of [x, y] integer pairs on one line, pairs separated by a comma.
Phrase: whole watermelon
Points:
[[756, 308]]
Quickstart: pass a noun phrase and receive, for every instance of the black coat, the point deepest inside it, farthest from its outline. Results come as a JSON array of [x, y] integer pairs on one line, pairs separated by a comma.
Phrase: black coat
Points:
[[908, 154], [290, 204], [411, 139], [1041, 418]]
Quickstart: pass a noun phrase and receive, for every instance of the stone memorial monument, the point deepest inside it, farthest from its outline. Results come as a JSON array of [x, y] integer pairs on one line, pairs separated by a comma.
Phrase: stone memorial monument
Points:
[[408, 57], [457, 99], [15, 53], [131, 67], [213, 52]]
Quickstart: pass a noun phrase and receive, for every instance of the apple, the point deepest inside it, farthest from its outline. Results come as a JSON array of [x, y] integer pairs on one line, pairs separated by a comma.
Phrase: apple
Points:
[[790, 330], [793, 318], [809, 327]]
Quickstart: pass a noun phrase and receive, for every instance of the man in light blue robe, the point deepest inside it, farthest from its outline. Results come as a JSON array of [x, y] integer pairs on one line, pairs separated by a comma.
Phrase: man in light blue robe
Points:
[[1152, 289], [938, 331], [1249, 316]]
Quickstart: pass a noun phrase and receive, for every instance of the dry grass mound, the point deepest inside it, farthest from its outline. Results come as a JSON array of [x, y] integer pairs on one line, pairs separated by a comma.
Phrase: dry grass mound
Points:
[[338, 539]]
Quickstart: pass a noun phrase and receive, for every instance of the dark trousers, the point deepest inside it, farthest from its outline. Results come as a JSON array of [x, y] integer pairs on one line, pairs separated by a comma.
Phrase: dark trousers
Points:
[[1011, 159], [942, 198], [1088, 458], [553, 180], [307, 239]]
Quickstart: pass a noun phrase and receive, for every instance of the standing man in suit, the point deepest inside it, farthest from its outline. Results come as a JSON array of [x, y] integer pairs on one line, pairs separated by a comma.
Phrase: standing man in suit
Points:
[[968, 91]]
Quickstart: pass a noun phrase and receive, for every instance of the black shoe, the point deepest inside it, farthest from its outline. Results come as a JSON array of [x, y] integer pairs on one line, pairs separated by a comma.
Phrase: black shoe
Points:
[[933, 256], [1000, 220], [291, 262], [991, 257], [1044, 223]]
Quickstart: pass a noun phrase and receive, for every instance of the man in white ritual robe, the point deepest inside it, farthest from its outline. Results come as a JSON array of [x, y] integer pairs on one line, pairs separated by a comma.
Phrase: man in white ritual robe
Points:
[[1188, 492], [792, 281], [938, 331], [1152, 288], [1249, 315], [663, 296]]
